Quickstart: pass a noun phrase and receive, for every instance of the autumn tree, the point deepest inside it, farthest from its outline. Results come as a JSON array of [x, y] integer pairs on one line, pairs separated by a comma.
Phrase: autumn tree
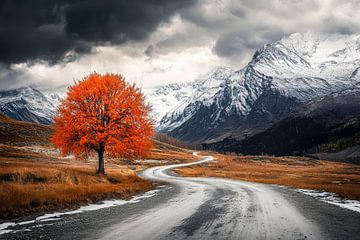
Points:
[[103, 113]]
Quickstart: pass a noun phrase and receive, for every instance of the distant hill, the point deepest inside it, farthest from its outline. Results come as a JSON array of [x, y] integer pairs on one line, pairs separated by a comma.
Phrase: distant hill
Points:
[[19, 133]]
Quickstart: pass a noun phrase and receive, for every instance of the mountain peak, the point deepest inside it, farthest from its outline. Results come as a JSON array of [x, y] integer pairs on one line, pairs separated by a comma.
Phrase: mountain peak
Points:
[[218, 71], [318, 48]]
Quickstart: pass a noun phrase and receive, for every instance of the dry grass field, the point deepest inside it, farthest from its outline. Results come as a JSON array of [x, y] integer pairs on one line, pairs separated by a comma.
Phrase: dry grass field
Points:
[[306, 173], [34, 183]]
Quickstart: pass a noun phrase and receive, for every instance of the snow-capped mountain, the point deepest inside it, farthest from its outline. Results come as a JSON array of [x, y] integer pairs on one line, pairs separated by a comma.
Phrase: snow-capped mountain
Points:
[[29, 104], [280, 76]]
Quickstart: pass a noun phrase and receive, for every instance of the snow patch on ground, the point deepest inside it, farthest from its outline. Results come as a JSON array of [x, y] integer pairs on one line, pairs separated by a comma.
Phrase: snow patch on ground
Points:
[[154, 161], [48, 151], [333, 198], [8, 227], [4, 226]]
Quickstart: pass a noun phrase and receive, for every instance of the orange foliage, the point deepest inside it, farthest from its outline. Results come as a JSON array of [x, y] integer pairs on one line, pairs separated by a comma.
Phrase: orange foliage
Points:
[[103, 113]]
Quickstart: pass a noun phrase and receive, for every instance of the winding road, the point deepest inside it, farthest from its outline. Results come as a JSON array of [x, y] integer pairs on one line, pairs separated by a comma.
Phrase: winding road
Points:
[[207, 208]]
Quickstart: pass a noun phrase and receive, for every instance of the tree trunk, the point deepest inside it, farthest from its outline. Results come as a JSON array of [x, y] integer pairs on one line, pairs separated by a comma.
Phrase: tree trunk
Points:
[[101, 169]]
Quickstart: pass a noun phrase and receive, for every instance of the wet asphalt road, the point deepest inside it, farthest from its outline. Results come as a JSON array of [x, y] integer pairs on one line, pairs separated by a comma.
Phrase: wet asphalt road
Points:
[[206, 208]]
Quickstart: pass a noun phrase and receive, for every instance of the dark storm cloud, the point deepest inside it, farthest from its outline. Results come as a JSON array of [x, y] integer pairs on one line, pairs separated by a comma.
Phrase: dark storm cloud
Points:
[[49, 29], [31, 29], [248, 25]]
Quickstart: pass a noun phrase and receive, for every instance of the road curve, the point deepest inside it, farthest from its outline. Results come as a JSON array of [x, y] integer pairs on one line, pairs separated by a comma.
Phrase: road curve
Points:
[[203, 208], [212, 208]]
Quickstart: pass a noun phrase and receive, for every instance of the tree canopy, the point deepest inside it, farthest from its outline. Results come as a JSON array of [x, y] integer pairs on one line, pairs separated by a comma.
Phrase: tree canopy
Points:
[[103, 113]]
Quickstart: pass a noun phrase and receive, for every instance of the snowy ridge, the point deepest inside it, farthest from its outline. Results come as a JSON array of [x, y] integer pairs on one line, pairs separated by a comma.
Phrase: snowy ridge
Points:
[[175, 98], [164, 98], [302, 65]]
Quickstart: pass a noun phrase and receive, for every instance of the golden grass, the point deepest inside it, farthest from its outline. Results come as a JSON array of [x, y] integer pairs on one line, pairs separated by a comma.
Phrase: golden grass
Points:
[[33, 183], [306, 173]]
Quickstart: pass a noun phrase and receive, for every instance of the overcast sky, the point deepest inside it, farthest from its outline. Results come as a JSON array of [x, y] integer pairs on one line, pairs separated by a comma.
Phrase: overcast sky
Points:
[[49, 43]]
